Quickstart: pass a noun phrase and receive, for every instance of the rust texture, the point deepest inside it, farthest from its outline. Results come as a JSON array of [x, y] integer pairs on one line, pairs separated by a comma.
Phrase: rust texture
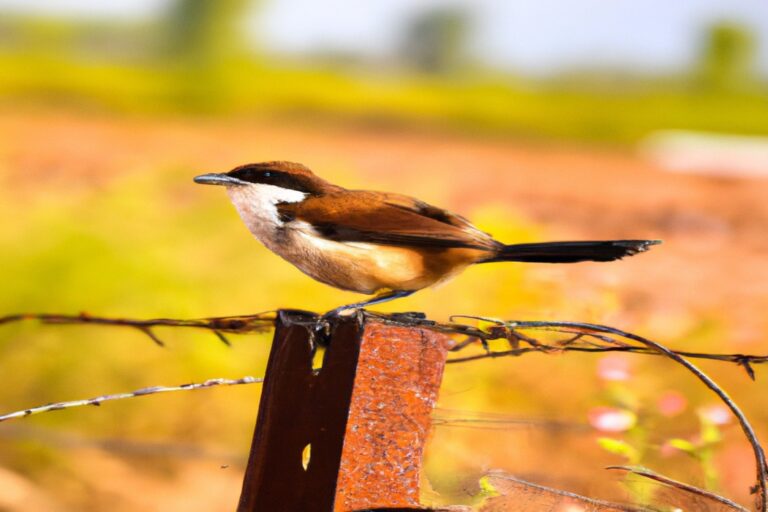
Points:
[[365, 414], [398, 377]]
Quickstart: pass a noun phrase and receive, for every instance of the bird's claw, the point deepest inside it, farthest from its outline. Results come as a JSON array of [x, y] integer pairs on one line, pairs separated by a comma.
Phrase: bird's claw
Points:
[[322, 328]]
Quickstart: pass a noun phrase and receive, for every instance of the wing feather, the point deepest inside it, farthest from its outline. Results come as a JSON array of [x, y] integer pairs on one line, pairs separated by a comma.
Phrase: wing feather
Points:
[[390, 219]]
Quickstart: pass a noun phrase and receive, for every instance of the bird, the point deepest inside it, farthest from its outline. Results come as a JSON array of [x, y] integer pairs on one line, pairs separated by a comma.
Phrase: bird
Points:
[[383, 244]]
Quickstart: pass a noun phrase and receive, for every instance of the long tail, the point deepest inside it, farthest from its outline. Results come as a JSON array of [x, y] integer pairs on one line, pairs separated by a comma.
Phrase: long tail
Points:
[[572, 252]]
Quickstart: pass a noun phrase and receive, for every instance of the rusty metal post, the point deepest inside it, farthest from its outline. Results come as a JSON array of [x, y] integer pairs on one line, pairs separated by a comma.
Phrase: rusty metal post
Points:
[[362, 420]]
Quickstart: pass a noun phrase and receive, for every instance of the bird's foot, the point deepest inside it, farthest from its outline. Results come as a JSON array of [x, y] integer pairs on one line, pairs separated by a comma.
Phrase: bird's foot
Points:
[[323, 324], [322, 328]]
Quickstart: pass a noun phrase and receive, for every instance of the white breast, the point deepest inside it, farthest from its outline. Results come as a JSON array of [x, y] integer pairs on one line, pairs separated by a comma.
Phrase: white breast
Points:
[[257, 206]]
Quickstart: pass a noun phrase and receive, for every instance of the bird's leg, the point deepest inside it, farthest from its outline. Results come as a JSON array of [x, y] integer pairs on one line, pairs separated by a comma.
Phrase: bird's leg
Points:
[[385, 296]]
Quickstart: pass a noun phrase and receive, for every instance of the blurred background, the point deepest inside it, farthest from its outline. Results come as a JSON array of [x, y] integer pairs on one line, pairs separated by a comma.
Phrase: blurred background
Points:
[[539, 120]]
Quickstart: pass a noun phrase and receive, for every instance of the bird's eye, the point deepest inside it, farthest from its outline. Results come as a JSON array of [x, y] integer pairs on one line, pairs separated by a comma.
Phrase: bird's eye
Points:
[[267, 174]]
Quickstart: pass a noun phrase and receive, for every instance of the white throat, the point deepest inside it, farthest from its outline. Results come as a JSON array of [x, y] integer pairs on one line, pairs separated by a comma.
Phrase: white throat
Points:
[[257, 206]]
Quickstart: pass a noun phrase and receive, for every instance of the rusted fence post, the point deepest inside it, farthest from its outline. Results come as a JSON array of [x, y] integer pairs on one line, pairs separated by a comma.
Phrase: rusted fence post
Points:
[[361, 421]]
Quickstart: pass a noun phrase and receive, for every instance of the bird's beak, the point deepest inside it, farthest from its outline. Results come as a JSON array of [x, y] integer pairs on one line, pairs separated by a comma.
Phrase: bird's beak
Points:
[[215, 178]]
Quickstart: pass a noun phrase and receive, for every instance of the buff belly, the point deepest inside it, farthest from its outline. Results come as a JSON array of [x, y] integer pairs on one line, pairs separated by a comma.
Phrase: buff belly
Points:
[[369, 268]]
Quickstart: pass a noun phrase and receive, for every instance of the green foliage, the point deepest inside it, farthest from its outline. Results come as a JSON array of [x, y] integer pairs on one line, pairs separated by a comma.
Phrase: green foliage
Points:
[[683, 445], [483, 105], [619, 447], [728, 57], [487, 489], [435, 41], [202, 32]]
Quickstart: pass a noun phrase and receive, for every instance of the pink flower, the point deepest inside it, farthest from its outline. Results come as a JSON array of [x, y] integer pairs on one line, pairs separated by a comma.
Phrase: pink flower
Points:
[[613, 367], [571, 507], [672, 403], [611, 419], [667, 450], [716, 414]]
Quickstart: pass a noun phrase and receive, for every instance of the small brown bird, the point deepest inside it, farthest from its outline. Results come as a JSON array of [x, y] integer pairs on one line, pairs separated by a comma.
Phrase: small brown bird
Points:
[[381, 243]]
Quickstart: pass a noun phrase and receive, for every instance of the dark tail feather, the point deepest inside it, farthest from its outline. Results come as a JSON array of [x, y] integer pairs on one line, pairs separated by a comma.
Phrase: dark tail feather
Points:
[[572, 252]]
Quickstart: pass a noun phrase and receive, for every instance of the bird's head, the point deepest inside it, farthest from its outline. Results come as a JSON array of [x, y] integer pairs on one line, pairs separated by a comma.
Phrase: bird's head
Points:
[[289, 176], [256, 190]]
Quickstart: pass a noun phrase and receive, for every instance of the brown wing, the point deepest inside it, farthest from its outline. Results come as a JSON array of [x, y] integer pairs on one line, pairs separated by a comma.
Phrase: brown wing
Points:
[[357, 216]]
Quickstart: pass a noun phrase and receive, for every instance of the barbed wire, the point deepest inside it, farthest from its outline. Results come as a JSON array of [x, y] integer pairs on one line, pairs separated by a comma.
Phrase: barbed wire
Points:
[[577, 336], [259, 322], [680, 486], [581, 336], [153, 390]]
